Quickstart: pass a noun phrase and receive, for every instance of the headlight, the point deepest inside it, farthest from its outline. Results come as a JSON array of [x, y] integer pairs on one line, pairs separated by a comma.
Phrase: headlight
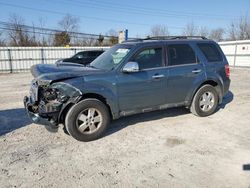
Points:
[[66, 89], [50, 94], [60, 92]]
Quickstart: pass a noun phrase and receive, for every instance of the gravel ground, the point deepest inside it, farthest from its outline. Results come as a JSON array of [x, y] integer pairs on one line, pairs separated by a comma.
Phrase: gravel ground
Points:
[[170, 148]]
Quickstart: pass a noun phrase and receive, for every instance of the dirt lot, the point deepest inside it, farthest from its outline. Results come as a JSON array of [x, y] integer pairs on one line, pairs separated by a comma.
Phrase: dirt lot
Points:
[[170, 148]]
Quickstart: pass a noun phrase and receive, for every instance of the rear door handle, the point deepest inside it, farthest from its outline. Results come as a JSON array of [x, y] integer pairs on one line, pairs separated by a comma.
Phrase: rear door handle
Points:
[[196, 71], [158, 76]]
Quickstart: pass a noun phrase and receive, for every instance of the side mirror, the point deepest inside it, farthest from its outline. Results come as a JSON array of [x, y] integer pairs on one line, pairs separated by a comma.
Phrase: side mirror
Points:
[[131, 67]]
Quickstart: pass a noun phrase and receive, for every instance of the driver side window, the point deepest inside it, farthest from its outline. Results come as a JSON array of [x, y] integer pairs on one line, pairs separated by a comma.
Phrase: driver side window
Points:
[[149, 58]]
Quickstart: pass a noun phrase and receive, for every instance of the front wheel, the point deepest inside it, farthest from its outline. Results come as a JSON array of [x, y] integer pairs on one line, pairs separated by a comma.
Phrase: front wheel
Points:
[[87, 120], [205, 101]]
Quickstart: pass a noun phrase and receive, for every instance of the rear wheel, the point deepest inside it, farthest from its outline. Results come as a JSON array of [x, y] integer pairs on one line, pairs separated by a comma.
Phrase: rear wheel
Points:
[[87, 120], [205, 101]]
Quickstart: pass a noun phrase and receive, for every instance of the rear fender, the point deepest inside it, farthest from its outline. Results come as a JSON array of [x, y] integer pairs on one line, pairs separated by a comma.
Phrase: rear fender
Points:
[[214, 82]]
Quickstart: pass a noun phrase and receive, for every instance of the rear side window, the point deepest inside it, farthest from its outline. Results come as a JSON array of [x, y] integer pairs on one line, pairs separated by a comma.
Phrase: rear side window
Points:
[[210, 51], [181, 54]]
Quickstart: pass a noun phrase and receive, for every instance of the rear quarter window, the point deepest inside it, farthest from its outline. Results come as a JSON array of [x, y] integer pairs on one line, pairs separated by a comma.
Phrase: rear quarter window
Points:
[[211, 52]]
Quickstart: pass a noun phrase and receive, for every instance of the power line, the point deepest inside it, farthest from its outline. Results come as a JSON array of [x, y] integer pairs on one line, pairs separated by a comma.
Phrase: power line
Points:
[[122, 10], [86, 17], [150, 9], [6, 26], [62, 13], [9, 25], [43, 33], [144, 11]]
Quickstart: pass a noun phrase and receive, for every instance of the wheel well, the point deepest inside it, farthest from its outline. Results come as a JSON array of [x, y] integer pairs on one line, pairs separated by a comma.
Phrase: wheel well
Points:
[[62, 115], [216, 86], [98, 97], [208, 82], [85, 96]]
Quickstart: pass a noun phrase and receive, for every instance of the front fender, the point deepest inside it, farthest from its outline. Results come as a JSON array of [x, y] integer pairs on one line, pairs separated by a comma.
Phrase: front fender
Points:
[[105, 90]]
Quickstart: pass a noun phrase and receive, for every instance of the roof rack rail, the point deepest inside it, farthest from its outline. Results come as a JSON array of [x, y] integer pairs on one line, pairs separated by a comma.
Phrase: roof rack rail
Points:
[[174, 37], [134, 40], [164, 38]]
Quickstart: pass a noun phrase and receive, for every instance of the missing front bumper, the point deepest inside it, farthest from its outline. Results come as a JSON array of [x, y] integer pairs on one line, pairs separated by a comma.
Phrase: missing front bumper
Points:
[[36, 118]]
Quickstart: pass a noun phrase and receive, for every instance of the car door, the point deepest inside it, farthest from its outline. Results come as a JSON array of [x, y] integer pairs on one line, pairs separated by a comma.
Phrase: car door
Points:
[[142, 90], [184, 71]]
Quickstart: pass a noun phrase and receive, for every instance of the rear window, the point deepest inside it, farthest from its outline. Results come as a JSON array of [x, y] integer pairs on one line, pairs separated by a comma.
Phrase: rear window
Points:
[[210, 51]]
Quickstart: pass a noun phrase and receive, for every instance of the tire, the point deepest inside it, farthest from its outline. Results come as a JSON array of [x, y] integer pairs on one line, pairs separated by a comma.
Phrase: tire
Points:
[[205, 101], [87, 120]]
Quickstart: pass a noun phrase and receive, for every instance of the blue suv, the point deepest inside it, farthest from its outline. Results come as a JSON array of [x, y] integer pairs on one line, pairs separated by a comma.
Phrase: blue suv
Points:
[[133, 77]]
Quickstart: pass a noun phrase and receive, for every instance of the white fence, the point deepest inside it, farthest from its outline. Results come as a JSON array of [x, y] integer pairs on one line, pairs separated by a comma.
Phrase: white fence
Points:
[[20, 59], [237, 52]]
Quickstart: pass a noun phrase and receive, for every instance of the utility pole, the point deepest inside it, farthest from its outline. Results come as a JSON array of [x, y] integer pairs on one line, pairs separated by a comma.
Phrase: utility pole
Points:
[[123, 35]]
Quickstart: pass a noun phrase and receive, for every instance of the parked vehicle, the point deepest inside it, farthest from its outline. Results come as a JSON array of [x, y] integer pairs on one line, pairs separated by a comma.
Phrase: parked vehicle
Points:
[[83, 57], [133, 77]]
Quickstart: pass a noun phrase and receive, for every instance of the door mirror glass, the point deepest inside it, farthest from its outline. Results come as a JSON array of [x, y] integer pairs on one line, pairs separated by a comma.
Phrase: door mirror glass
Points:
[[131, 67]]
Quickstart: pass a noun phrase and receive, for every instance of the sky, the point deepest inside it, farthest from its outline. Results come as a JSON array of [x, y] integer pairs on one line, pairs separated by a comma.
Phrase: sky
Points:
[[138, 16]]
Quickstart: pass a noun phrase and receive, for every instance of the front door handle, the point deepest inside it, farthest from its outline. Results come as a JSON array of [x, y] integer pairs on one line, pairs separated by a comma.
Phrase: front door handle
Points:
[[196, 70], [158, 76]]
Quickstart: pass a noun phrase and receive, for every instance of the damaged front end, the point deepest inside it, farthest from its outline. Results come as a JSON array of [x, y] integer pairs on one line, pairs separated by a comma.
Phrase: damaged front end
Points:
[[47, 100]]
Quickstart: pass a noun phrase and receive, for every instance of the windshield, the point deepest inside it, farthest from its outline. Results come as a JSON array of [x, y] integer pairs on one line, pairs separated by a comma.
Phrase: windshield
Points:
[[110, 58]]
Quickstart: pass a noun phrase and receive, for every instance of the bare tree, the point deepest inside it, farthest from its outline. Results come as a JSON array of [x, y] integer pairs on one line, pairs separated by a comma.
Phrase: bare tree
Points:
[[44, 39], [69, 24], [33, 37], [2, 42], [190, 30], [17, 32], [232, 31], [203, 31], [159, 30], [89, 42], [113, 39], [244, 28], [61, 39], [217, 34], [240, 30], [100, 39]]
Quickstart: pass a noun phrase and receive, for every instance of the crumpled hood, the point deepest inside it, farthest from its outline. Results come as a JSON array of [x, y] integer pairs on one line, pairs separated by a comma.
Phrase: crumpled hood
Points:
[[54, 72]]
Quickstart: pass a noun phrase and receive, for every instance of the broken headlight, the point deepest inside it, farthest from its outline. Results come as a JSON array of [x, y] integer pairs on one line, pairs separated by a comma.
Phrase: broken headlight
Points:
[[43, 83], [53, 96]]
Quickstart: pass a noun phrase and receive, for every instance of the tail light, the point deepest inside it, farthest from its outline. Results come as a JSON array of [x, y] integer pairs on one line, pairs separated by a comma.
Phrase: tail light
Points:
[[227, 70]]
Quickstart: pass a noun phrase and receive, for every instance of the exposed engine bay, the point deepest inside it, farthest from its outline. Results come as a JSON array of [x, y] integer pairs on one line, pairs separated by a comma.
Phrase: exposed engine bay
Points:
[[47, 100]]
